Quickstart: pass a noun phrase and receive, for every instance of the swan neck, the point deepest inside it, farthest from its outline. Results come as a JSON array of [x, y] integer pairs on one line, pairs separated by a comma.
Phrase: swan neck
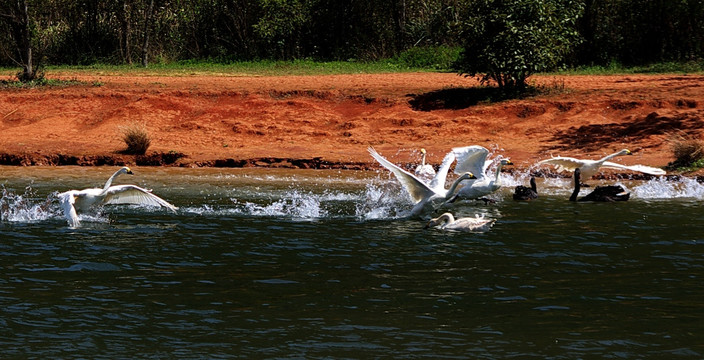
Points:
[[609, 157], [573, 197], [533, 186], [422, 160], [453, 187], [109, 182], [497, 180], [446, 218]]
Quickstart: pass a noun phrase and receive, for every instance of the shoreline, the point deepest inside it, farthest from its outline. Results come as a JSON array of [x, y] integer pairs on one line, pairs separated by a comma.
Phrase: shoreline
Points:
[[328, 121]]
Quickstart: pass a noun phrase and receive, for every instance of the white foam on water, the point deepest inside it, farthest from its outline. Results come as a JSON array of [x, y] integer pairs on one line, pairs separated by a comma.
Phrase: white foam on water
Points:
[[661, 188], [294, 204], [26, 208], [383, 201]]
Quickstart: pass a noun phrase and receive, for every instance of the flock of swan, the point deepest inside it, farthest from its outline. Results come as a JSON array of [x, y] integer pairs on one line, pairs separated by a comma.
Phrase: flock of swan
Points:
[[472, 166], [425, 186]]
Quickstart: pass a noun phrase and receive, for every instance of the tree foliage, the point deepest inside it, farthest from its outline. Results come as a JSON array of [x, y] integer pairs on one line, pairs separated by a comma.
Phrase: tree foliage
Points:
[[508, 40], [534, 32]]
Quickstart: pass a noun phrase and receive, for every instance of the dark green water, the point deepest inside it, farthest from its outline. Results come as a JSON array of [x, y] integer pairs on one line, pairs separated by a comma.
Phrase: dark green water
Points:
[[319, 264]]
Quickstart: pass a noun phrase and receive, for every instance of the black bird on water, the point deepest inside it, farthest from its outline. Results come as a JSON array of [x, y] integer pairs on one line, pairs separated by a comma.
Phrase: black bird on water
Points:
[[608, 193]]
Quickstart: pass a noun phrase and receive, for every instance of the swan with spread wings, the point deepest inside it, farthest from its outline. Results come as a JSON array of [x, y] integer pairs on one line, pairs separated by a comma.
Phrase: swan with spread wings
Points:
[[590, 167], [74, 201], [473, 159], [422, 194]]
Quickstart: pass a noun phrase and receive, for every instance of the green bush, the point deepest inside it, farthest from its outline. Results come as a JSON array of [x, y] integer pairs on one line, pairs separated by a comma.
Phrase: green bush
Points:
[[506, 41]]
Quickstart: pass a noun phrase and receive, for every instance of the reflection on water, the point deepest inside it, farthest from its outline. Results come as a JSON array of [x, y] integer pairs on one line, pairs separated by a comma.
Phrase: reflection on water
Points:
[[316, 264]]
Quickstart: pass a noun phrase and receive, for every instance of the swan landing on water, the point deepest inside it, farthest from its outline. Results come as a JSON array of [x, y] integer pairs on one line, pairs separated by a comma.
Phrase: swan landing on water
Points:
[[422, 194], [74, 201], [448, 222]]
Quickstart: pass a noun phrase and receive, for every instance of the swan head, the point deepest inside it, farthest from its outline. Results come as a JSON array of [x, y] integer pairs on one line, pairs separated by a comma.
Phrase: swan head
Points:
[[625, 152], [125, 170], [438, 220], [506, 162], [422, 151], [467, 176]]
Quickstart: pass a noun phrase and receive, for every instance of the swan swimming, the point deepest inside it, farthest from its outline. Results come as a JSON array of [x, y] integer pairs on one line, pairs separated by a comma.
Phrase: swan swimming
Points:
[[526, 193], [448, 222], [590, 167], [424, 171], [608, 193], [474, 159], [423, 195], [74, 201]]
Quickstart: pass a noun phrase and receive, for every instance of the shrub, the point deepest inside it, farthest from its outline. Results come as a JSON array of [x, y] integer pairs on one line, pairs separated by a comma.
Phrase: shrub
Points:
[[687, 150], [136, 137], [506, 41]]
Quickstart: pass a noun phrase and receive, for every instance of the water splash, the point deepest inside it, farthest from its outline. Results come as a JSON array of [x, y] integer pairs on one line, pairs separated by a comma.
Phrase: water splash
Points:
[[383, 202], [26, 207], [295, 204], [660, 188]]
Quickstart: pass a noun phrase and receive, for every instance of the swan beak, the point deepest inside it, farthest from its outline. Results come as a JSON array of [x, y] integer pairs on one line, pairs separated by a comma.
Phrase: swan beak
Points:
[[508, 162], [129, 171], [628, 152]]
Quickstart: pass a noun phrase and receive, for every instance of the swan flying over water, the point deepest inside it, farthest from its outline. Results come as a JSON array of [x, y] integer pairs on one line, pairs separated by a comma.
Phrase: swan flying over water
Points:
[[74, 201], [448, 222], [591, 167], [422, 194]]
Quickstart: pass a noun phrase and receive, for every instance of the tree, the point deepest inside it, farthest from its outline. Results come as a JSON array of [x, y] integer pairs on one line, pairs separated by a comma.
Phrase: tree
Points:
[[16, 14], [508, 40]]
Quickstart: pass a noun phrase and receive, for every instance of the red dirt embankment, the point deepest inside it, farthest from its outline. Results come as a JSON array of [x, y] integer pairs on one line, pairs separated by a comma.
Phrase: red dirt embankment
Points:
[[328, 121]]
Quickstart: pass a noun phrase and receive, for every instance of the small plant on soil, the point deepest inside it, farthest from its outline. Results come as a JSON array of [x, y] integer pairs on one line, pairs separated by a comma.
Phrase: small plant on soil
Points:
[[136, 137], [688, 151]]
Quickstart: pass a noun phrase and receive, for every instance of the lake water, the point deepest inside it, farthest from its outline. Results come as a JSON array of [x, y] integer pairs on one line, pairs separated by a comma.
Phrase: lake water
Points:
[[261, 263]]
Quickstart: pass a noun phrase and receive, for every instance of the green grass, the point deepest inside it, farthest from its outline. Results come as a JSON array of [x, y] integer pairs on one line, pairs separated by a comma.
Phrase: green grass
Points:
[[690, 67], [433, 59], [43, 82], [244, 68]]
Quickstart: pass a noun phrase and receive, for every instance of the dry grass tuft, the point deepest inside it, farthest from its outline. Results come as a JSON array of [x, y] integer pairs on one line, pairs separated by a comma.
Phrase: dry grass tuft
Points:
[[136, 137], [687, 149]]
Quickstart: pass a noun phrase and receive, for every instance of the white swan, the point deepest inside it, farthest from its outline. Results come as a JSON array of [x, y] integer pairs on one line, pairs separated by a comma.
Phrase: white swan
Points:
[[448, 222], [74, 201], [591, 167], [423, 195], [424, 171], [474, 159]]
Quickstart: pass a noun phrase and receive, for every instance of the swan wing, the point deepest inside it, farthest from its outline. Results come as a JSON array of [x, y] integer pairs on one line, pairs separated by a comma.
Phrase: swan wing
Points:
[[471, 159], [416, 188], [637, 168], [135, 195], [564, 163], [438, 182], [67, 200]]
